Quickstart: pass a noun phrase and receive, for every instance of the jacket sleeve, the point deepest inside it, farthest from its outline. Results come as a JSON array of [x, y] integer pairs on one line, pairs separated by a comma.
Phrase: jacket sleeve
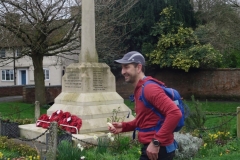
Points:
[[157, 97], [129, 126]]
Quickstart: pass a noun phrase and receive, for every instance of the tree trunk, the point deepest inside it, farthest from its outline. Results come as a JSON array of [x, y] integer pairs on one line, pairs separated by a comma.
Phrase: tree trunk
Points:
[[39, 79]]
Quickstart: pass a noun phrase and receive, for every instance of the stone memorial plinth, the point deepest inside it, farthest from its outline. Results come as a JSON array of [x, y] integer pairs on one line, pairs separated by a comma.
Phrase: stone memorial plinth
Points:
[[89, 91]]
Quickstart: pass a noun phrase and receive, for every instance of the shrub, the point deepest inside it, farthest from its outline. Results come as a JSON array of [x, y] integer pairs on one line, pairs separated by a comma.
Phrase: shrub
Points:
[[22, 149], [188, 145]]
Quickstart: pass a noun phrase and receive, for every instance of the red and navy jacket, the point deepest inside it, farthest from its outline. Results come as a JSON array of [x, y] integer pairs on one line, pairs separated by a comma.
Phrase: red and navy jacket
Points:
[[145, 118]]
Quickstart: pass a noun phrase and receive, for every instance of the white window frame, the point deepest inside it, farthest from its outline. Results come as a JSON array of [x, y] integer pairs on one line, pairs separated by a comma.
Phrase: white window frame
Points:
[[18, 52], [11, 75], [2, 53], [46, 72]]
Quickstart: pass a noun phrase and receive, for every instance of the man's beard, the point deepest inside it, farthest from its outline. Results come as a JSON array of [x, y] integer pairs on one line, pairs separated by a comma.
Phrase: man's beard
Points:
[[131, 78]]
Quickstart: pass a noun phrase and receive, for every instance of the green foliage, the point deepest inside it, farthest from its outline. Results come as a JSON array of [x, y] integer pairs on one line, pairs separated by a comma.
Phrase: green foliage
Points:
[[197, 117], [115, 117], [4, 154], [102, 145], [120, 148], [24, 121], [21, 149], [231, 59], [146, 14], [213, 151], [120, 144], [130, 104], [66, 150], [178, 47]]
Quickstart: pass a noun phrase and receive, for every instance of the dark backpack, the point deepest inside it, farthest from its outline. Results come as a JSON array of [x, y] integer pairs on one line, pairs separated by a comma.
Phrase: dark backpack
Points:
[[173, 95]]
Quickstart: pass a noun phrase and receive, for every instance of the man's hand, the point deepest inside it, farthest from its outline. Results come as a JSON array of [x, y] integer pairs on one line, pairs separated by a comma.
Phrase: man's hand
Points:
[[152, 151], [117, 127]]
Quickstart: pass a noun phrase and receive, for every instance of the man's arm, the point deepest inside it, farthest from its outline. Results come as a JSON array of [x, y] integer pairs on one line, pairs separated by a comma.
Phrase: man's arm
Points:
[[118, 127], [129, 126]]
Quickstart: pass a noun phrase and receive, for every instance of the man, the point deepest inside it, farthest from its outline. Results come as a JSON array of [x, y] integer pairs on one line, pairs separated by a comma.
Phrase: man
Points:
[[160, 144]]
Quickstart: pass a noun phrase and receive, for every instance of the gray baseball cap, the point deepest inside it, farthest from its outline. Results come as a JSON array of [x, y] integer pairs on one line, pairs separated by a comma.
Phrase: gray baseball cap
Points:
[[132, 57]]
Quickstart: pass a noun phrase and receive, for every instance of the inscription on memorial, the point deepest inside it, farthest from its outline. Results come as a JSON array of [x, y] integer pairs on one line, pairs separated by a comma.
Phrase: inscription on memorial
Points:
[[73, 80], [98, 84]]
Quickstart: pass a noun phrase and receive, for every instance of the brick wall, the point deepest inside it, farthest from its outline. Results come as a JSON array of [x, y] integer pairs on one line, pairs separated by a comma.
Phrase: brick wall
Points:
[[51, 93], [11, 91], [218, 84]]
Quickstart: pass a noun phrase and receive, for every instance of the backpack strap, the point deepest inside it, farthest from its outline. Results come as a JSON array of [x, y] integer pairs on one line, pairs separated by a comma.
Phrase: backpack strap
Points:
[[150, 106], [144, 100], [155, 128]]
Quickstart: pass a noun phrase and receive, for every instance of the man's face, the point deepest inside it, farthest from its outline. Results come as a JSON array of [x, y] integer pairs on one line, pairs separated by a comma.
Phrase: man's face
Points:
[[130, 72]]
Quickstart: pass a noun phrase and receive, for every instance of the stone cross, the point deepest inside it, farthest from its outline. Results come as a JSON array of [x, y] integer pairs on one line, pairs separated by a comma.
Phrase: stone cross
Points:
[[88, 44]]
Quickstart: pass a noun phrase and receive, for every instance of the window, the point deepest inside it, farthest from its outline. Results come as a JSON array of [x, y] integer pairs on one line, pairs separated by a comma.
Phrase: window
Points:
[[18, 52], [2, 53], [7, 75], [46, 74]]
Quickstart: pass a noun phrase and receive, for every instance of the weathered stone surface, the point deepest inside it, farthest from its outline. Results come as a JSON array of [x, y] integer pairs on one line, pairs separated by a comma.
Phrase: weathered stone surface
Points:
[[89, 91]]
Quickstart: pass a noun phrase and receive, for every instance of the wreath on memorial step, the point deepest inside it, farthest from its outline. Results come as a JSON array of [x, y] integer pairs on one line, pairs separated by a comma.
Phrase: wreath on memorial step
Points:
[[66, 121]]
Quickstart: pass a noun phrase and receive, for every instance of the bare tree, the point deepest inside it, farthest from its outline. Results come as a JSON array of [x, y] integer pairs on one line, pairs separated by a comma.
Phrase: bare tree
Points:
[[51, 27], [220, 22], [111, 24], [43, 28], [206, 5]]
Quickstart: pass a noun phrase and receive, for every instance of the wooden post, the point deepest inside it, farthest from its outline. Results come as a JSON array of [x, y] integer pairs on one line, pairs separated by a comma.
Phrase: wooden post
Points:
[[0, 126], [238, 122], [37, 110], [52, 142]]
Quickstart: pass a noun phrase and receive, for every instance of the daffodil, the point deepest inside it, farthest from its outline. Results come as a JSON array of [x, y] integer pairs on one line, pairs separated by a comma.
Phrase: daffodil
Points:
[[80, 146], [95, 137], [1, 155], [227, 151], [109, 135], [112, 139], [205, 144]]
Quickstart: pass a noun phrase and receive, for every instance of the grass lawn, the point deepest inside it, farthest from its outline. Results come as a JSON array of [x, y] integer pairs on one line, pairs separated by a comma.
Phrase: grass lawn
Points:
[[219, 115], [18, 110]]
